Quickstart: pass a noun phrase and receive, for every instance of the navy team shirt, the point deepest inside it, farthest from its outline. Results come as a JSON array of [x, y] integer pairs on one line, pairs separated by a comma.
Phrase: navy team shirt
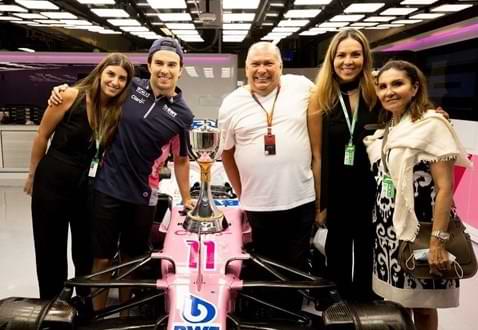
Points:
[[148, 130]]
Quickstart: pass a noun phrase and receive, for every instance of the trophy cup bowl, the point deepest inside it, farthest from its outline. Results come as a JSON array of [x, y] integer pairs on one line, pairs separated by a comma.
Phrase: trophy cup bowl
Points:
[[205, 148]]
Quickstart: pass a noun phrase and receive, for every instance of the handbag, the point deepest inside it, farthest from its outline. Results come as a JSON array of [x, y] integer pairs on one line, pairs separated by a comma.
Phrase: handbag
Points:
[[459, 244]]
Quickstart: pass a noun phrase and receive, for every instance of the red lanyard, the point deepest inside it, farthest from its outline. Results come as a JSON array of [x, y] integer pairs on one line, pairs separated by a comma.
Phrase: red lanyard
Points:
[[269, 115]]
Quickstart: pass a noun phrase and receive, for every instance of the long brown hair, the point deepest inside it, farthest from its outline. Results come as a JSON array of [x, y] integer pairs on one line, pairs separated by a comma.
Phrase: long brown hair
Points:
[[104, 121], [420, 103], [326, 84]]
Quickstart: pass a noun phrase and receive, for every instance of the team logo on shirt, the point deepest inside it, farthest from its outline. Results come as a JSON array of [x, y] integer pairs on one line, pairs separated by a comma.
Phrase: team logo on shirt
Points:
[[142, 92], [169, 111], [137, 99]]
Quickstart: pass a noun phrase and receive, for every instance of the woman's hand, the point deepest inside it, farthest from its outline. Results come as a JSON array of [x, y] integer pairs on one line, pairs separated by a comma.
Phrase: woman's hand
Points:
[[438, 257], [28, 185], [320, 216], [55, 97]]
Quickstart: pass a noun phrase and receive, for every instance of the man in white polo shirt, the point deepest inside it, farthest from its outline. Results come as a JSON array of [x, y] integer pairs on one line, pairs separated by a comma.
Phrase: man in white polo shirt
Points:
[[267, 155]]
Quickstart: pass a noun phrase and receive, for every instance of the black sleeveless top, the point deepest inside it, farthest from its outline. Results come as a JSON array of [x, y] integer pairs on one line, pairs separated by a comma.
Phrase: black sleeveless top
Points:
[[346, 190], [73, 140]]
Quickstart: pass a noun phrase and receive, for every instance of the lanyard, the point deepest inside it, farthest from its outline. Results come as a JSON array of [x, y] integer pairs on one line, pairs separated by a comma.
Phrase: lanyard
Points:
[[384, 142], [269, 115], [351, 126]]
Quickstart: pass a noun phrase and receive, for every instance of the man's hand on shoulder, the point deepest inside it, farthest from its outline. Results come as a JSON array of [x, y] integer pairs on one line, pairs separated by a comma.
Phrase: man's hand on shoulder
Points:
[[56, 98]]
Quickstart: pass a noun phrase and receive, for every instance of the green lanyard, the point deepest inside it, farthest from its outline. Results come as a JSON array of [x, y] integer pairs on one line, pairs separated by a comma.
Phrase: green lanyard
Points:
[[351, 126]]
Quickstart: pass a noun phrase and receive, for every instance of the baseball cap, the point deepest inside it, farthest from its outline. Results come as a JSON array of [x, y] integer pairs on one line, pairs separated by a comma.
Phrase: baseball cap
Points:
[[166, 43]]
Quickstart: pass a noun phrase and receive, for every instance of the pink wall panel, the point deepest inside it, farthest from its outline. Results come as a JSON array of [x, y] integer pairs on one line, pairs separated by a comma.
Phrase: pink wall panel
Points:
[[466, 193]]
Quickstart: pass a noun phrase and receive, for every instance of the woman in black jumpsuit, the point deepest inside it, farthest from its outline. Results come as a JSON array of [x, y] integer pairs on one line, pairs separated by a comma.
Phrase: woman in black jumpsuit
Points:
[[58, 180]]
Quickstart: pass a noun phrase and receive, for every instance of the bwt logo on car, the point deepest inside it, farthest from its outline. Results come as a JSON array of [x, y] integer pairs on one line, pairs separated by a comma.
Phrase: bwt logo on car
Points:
[[197, 313]]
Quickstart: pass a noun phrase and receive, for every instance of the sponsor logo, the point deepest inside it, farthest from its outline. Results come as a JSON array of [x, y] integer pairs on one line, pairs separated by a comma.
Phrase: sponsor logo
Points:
[[142, 92], [169, 111], [196, 327], [137, 99], [197, 313]]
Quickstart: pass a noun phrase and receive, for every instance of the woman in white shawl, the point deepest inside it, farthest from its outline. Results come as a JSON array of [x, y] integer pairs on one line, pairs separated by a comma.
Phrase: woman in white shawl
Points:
[[413, 161]]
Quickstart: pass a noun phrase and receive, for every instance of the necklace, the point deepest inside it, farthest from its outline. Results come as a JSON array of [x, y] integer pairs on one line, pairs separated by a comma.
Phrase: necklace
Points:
[[350, 92]]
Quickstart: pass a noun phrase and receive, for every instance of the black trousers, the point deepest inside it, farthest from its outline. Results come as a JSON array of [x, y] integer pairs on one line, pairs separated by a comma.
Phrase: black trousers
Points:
[[349, 250], [282, 236], [59, 201]]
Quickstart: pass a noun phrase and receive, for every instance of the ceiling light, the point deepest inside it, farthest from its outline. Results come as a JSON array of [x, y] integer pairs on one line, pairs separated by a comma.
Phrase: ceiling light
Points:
[[58, 15], [236, 26], [243, 4], [363, 7], [379, 18], [186, 32], [77, 22], [296, 22], [180, 26], [376, 28], [333, 24], [242, 17], [110, 12], [272, 14], [427, 16], [192, 39], [13, 8], [108, 31], [167, 4], [30, 16], [134, 28], [235, 32], [97, 2], [346, 18], [398, 11], [191, 70], [48, 21], [417, 2], [267, 24], [172, 17], [363, 24], [311, 2], [313, 32], [9, 18], [450, 8], [229, 39], [123, 22], [24, 22], [286, 29], [276, 4], [24, 49], [390, 25], [37, 4], [407, 21], [302, 13]]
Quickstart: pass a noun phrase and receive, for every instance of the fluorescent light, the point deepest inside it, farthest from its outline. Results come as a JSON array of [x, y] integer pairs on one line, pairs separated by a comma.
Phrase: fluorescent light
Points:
[[235, 32], [398, 11], [110, 12], [186, 32], [276, 4], [232, 39], [418, 2], [191, 70], [236, 26], [108, 31], [48, 21], [123, 22], [346, 18], [379, 18], [244, 17], [24, 49], [363, 7], [192, 38], [311, 2], [363, 24], [427, 16], [285, 29], [37, 4], [76, 22], [296, 22], [180, 26], [450, 8], [208, 72], [272, 14], [58, 15], [376, 28], [302, 13], [267, 24], [97, 2], [389, 25], [9, 18], [13, 8], [167, 4], [171, 17], [30, 16], [407, 21], [333, 24], [243, 4], [313, 32], [134, 28]]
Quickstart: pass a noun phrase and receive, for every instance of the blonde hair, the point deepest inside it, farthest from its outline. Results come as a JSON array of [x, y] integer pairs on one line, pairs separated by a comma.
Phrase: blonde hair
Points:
[[420, 103], [326, 84], [105, 120]]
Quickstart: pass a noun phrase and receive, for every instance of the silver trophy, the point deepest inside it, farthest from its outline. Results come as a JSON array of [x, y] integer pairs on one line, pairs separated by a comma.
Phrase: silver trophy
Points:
[[205, 148]]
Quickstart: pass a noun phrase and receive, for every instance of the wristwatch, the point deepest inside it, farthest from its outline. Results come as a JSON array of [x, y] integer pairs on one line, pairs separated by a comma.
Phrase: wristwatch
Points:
[[442, 236]]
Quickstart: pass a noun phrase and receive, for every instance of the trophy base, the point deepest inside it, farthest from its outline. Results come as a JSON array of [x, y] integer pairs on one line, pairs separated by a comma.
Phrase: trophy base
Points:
[[205, 225]]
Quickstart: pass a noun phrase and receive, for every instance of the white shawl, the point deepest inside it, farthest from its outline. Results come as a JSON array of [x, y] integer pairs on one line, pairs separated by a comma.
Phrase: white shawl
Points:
[[431, 138]]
